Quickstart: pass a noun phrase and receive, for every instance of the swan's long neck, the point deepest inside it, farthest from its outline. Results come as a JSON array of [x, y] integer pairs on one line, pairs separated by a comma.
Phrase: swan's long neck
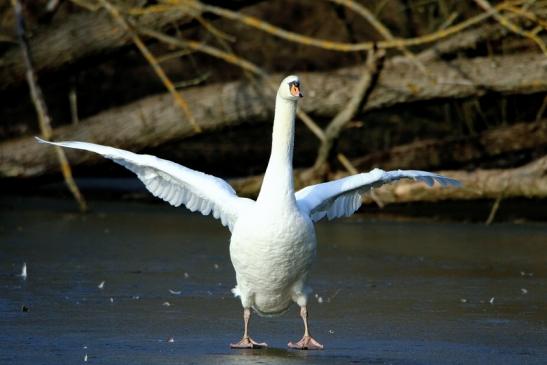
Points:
[[278, 185]]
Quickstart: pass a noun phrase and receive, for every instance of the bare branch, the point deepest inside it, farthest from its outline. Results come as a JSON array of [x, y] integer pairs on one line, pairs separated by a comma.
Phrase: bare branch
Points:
[[44, 119], [330, 45], [376, 24], [360, 91], [512, 26], [180, 101]]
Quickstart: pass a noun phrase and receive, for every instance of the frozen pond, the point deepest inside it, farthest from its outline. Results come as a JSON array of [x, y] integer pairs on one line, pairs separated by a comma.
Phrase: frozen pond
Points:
[[390, 292]]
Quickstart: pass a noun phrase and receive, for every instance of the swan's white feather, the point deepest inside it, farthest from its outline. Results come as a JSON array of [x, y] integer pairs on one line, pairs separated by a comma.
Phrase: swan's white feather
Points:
[[176, 184], [342, 197]]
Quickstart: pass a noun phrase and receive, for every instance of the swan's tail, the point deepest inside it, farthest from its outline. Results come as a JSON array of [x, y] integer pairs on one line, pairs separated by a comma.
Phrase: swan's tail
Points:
[[236, 292], [273, 313]]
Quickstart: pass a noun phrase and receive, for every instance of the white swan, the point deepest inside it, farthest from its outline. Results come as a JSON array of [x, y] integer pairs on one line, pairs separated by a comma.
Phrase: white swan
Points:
[[273, 239]]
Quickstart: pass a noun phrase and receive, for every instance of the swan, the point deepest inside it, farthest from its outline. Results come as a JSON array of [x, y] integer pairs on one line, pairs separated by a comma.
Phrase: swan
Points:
[[273, 242]]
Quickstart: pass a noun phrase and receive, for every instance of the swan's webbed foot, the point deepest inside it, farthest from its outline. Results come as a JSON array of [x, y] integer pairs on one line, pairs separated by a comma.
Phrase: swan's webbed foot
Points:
[[306, 343], [248, 343]]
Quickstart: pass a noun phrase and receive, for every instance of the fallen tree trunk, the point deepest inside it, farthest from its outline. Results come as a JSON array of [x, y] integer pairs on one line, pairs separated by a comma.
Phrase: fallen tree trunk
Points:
[[528, 181], [155, 120], [85, 34], [81, 35], [435, 153]]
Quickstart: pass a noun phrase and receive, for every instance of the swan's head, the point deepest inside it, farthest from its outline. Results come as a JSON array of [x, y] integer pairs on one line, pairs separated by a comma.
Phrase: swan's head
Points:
[[290, 88]]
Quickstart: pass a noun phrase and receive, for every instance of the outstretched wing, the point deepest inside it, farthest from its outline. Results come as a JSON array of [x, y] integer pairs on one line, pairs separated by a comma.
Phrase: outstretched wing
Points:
[[342, 197], [174, 183]]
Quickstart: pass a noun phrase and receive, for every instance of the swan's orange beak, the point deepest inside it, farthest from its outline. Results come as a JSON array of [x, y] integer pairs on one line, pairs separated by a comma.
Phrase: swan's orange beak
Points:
[[295, 91]]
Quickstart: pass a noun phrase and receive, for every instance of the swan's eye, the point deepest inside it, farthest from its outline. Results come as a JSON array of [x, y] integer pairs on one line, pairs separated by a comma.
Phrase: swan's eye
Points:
[[294, 88]]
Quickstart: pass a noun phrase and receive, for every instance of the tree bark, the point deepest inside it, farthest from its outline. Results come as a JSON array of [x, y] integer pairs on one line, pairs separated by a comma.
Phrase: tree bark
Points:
[[155, 120], [86, 34], [435, 153], [467, 39], [81, 35], [528, 181]]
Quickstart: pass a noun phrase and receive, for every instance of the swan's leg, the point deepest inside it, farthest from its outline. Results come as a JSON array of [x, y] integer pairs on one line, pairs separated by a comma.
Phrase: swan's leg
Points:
[[247, 342], [307, 342]]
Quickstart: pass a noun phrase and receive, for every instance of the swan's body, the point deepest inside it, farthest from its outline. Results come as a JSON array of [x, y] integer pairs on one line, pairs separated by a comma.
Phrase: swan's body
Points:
[[272, 252], [273, 240]]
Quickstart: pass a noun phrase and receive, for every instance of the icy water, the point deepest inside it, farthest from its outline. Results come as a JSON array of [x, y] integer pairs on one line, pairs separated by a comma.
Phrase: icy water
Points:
[[384, 292]]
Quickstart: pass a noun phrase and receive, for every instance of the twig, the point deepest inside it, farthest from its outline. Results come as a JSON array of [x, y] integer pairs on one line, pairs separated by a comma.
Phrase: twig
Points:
[[215, 31], [37, 97], [376, 24], [347, 164], [201, 47], [497, 202], [485, 5], [193, 82], [178, 54], [526, 14], [125, 24], [73, 101], [380, 6], [330, 45], [493, 211], [312, 126], [448, 22], [223, 40], [360, 92], [151, 9], [367, 15], [461, 41], [440, 34]]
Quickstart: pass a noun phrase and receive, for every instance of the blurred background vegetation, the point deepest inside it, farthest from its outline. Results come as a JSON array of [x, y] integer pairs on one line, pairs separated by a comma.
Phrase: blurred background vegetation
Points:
[[444, 85]]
